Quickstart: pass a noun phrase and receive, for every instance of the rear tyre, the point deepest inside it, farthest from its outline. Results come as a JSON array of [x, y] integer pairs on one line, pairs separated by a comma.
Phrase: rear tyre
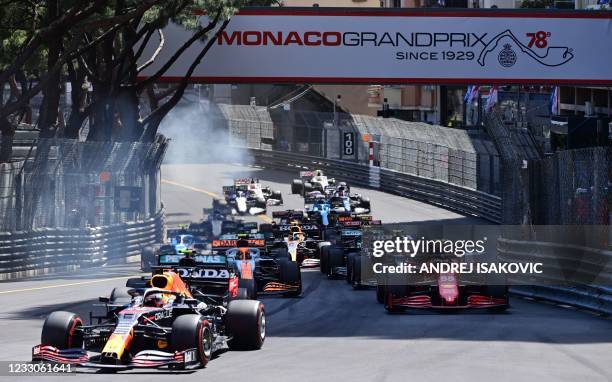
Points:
[[250, 286], [192, 331], [356, 281], [335, 260], [135, 283], [120, 295], [147, 258], [498, 291], [297, 186], [391, 292], [246, 324], [365, 203], [276, 195], [308, 187], [324, 258], [265, 228], [60, 330], [349, 267], [280, 253], [290, 274]]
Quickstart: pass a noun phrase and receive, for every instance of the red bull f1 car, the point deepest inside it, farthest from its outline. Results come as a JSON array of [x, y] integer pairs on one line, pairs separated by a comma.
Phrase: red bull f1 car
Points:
[[159, 326]]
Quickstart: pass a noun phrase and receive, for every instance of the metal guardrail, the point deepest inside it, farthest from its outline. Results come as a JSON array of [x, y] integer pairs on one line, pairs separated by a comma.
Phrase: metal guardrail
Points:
[[457, 198], [590, 263], [48, 250]]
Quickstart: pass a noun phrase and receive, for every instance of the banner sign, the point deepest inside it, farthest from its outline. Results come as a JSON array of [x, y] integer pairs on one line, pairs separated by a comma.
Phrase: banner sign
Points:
[[385, 46]]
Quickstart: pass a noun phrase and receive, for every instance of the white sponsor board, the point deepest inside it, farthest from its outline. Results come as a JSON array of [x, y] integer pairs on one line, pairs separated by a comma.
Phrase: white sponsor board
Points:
[[416, 46]]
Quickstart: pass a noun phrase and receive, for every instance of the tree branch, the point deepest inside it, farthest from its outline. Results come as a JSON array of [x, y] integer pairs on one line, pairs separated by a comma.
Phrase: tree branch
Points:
[[157, 115], [155, 54], [143, 84], [44, 34]]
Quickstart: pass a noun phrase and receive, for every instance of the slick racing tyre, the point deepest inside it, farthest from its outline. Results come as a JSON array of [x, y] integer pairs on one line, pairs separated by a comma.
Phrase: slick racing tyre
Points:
[[121, 295], [356, 279], [498, 291], [308, 187], [265, 228], [365, 204], [349, 267], [60, 330], [135, 283], [297, 186], [246, 324], [276, 195], [192, 331], [280, 253], [147, 258], [250, 286], [324, 258], [335, 260], [290, 274]]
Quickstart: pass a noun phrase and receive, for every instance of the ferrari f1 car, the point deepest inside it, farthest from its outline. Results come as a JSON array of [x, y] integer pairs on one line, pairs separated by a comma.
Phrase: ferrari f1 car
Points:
[[311, 181], [160, 326], [440, 291]]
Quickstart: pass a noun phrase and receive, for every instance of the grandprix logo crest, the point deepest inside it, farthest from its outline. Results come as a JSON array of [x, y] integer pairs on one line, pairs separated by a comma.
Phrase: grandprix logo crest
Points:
[[507, 57]]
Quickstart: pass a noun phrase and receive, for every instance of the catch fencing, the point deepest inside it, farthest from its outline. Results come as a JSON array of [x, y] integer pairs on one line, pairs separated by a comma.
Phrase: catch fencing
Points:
[[72, 184], [572, 187]]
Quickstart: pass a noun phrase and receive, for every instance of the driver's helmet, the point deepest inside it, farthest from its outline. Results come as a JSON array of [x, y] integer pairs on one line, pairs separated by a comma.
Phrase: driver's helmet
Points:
[[154, 300], [240, 193]]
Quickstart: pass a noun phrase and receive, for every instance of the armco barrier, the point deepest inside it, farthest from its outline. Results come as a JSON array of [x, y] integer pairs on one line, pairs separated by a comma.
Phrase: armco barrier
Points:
[[48, 250], [461, 199], [591, 263]]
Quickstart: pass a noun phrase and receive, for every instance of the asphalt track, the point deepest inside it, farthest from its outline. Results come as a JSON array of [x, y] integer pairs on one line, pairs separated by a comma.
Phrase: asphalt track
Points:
[[333, 333]]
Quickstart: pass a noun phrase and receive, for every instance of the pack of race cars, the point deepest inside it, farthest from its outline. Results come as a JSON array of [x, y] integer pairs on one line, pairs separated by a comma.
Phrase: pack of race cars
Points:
[[200, 295]]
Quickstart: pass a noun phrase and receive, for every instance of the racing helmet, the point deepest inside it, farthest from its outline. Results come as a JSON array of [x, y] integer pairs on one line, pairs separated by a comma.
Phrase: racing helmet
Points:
[[154, 300]]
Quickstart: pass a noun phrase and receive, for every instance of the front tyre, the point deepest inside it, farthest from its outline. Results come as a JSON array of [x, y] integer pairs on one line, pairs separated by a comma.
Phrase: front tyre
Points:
[[60, 330], [192, 331]]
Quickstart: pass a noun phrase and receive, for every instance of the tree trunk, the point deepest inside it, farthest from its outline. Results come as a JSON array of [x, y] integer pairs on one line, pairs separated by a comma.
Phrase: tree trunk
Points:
[[79, 108], [6, 146], [47, 122]]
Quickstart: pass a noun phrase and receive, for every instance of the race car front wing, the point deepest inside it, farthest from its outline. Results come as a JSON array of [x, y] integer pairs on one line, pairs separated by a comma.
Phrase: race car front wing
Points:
[[186, 359]]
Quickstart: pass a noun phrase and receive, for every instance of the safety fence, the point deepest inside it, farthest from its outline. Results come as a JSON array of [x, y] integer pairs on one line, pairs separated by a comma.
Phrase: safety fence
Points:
[[73, 184], [49, 250], [594, 264]]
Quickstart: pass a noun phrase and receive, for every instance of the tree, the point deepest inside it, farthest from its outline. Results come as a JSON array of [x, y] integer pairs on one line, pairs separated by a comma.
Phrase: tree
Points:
[[96, 45]]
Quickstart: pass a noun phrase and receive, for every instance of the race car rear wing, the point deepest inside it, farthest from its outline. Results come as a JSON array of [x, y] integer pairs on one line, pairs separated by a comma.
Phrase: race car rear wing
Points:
[[359, 223], [288, 214], [313, 200], [306, 227], [308, 174], [238, 243]]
